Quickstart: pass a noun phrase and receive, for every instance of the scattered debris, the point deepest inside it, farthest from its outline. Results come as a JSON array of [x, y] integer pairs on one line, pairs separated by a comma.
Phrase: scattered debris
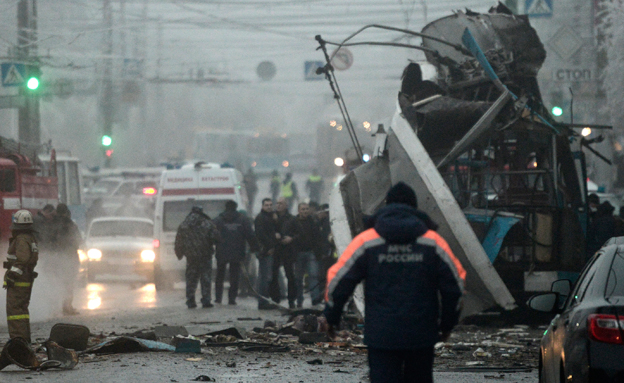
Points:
[[125, 344], [313, 337], [204, 378], [193, 359], [186, 344], [239, 333], [248, 319], [72, 336], [230, 364], [315, 362], [170, 331]]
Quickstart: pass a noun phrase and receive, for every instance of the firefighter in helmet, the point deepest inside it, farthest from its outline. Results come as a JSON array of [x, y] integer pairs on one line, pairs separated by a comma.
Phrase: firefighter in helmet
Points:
[[22, 258]]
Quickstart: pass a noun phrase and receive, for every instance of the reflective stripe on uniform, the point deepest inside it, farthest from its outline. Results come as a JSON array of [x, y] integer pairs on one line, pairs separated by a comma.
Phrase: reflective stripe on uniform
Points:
[[12, 257], [357, 247], [287, 191], [19, 284], [18, 317]]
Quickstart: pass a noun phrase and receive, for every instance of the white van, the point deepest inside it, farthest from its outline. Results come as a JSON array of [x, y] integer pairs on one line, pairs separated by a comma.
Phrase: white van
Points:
[[205, 185]]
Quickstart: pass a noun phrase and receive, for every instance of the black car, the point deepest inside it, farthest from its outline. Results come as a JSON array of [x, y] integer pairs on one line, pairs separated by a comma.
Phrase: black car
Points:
[[584, 342]]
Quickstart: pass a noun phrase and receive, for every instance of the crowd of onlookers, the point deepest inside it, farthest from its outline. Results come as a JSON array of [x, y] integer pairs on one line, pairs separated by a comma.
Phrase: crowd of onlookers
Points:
[[301, 245]]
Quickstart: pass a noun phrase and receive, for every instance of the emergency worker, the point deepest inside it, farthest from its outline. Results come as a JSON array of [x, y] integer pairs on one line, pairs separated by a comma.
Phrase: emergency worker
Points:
[[195, 240], [314, 186], [405, 264], [67, 240], [289, 191], [22, 258], [234, 229], [275, 186]]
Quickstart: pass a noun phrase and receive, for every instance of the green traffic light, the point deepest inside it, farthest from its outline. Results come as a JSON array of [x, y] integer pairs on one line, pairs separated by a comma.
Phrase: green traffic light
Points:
[[107, 140], [556, 111], [32, 83]]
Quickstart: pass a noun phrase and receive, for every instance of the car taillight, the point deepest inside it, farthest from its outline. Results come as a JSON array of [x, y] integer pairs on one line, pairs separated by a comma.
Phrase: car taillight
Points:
[[156, 244], [605, 328], [149, 191]]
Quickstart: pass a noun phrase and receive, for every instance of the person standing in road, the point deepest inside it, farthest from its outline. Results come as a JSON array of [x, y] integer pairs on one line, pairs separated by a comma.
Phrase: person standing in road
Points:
[[266, 233], [195, 240], [22, 258], [289, 191], [307, 242], [67, 241], [251, 186], [409, 271], [235, 229], [285, 254], [275, 186], [326, 246], [43, 226], [314, 186]]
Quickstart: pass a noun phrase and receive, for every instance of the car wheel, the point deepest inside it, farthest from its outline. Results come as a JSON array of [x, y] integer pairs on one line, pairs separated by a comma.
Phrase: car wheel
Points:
[[541, 369]]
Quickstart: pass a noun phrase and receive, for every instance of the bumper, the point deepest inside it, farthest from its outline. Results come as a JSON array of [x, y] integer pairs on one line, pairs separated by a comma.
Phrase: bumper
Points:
[[121, 267], [606, 362]]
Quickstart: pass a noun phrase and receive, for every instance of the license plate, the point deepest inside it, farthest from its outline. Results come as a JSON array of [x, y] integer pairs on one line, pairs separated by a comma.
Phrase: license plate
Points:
[[120, 261]]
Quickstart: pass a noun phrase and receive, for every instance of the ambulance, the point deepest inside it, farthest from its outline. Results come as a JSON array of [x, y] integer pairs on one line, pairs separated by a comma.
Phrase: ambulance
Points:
[[201, 184]]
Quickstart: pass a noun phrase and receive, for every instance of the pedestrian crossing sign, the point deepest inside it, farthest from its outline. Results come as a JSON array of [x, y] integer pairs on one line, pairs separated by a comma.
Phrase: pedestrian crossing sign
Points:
[[13, 74], [539, 8]]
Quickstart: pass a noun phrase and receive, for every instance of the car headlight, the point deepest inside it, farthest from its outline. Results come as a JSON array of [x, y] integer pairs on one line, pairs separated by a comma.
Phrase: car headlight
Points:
[[148, 256], [81, 255], [94, 255]]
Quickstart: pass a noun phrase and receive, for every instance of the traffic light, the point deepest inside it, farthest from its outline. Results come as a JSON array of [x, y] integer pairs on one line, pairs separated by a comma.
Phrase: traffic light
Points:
[[559, 104], [107, 140], [33, 77], [109, 153], [556, 111]]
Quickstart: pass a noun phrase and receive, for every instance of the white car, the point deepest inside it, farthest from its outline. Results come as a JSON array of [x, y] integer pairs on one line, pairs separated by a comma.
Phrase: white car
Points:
[[119, 246]]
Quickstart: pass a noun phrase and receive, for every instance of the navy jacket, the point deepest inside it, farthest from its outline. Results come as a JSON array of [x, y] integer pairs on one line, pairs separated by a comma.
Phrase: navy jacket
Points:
[[405, 266], [235, 230]]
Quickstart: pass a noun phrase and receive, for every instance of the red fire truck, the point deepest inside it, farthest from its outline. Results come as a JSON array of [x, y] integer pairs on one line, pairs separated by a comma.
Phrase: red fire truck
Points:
[[23, 184]]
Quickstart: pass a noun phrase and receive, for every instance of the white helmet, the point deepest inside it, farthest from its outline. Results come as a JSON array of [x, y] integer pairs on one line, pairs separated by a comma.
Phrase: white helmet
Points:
[[22, 219]]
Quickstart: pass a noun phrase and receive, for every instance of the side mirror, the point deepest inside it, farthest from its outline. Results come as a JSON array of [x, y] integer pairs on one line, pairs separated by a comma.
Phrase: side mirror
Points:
[[544, 302], [562, 287]]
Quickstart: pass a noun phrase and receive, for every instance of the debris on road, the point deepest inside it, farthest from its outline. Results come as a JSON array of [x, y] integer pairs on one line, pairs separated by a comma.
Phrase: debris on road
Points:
[[73, 336], [204, 378], [170, 331], [125, 344]]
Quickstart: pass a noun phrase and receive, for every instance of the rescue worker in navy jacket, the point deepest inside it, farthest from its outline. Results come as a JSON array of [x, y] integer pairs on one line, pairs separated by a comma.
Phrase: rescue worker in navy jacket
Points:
[[235, 229], [22, 258], [405, 264]]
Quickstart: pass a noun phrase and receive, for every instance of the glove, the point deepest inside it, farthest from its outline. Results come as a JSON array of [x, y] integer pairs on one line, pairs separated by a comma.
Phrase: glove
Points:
[[9, 279]]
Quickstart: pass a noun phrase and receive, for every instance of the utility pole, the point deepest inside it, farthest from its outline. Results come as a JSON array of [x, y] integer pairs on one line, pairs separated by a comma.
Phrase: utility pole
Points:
[[29, 129], [106, 102]]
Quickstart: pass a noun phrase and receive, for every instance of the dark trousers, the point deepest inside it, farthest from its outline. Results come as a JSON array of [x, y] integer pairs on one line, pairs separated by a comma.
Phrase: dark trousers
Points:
[[288, 261], [234, 276], [401, 366], [198, 269]]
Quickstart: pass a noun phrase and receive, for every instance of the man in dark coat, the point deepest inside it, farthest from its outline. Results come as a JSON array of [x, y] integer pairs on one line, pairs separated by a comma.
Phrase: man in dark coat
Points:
[[195, 240], [43, 227], [266, 233], [410, 271], [67, 239], [235, 230], [601, 229], [307, 241], [285, 253]]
